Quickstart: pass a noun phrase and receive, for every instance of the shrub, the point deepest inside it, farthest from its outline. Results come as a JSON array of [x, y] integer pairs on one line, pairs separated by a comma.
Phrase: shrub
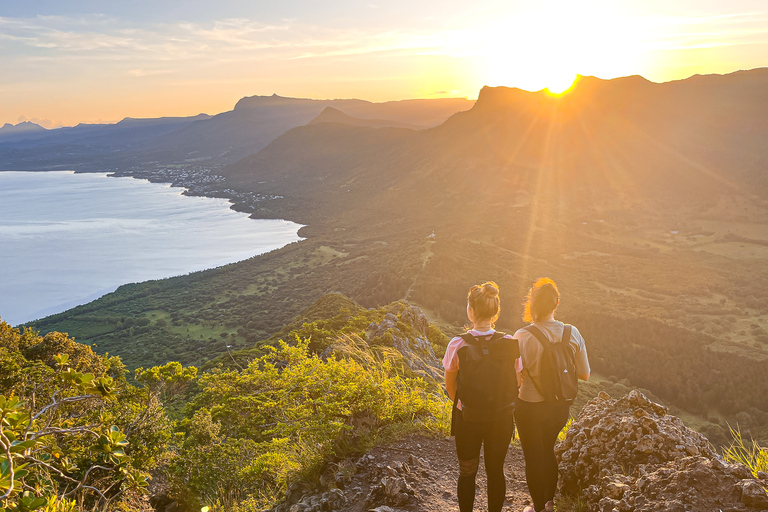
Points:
[[288, 414], [74, 435]]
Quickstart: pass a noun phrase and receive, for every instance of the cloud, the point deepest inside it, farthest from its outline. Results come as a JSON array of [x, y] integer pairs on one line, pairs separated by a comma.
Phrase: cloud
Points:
[[100, 37]]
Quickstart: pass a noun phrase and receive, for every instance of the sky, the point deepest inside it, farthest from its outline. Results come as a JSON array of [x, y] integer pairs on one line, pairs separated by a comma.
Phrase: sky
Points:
[[67, 62]]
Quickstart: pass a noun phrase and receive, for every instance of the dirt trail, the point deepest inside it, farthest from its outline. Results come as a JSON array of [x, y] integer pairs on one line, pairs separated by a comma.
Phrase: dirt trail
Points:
[[432, 473]]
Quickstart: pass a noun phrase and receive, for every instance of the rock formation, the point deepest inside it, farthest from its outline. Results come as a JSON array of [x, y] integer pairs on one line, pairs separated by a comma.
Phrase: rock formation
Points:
[[409, 335], [386, 484], [630, 455]]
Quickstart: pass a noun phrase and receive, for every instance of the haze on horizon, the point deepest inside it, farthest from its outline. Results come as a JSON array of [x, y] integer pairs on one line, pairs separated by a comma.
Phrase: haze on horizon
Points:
[[89, 61]]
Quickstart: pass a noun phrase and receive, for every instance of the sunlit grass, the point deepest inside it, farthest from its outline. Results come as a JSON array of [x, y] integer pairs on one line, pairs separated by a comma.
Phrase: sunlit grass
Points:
[[746, 452]]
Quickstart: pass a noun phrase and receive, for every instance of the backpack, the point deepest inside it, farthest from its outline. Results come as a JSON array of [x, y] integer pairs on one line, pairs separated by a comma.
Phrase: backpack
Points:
[[487, 382], [558, 381]]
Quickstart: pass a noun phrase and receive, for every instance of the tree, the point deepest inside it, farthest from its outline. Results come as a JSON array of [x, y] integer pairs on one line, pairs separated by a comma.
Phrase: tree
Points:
[[74, 434]]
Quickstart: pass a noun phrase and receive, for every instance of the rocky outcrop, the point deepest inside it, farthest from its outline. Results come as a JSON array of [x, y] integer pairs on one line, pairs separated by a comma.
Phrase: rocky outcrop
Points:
[[630, 455], [386, 484], [407, 332]]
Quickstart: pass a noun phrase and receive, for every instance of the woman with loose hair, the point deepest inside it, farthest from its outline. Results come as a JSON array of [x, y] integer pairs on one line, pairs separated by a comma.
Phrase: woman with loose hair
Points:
[[480, 377], [539, 421]]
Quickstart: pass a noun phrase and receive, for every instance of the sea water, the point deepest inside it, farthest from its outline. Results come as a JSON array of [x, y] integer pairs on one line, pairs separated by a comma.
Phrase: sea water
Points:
[[66, 238]]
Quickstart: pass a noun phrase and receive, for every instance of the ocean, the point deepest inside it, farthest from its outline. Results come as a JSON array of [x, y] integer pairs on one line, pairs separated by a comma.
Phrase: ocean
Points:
[[66, 238]]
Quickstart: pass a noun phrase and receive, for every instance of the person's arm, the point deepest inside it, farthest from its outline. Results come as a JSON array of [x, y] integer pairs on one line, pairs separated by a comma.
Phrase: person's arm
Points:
[[451, 383], [582, 362]]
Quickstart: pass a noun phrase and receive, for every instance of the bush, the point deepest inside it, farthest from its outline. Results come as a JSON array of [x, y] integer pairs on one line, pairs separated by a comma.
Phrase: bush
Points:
[[288, 414], [71, 427]]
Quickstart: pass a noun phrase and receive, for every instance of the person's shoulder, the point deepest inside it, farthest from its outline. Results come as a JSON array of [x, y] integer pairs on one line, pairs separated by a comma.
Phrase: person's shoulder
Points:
[[576, 334], [521, 333]]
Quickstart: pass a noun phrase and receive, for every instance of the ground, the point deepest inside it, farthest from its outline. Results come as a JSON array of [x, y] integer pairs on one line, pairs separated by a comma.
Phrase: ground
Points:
[[433, 476]]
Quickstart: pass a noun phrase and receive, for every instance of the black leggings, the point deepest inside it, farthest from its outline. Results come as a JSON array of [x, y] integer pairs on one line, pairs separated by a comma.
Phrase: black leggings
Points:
[[495, 437], [538, 424]]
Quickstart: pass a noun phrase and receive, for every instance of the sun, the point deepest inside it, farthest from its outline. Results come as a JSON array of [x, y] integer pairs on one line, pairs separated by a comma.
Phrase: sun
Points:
[[551, 43], [558, 85]]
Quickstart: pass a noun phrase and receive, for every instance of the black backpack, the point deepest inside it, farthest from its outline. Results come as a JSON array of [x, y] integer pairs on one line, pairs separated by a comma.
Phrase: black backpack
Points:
[[557, 380], [487, 382]]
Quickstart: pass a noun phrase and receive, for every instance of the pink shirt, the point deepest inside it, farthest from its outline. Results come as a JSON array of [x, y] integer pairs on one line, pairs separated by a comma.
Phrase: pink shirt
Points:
[[451, 358]]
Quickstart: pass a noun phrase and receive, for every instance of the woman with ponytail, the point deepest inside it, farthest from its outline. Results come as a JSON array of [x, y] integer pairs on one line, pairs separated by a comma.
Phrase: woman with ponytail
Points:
[[480, 377], [540, 421]]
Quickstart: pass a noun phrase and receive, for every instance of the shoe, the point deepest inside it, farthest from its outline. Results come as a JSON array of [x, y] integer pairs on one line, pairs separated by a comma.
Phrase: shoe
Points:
[[550, 506]]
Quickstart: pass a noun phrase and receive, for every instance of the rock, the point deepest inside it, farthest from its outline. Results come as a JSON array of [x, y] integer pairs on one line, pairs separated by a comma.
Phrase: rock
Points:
[[753, 494], [392, 489], [630, 455], [409, 335]]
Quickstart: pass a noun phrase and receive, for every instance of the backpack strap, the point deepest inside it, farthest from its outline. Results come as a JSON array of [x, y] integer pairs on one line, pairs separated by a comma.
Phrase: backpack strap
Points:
[[481, 342], [540, 336], [566, 333]]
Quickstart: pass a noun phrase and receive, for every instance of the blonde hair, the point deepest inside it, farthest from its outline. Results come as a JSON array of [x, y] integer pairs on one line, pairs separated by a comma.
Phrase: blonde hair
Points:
[[543, 298], [485, 301]]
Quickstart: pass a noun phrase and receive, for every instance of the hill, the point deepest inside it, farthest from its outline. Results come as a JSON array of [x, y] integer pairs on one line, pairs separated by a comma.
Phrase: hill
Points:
[[19, 130], [211, 140], [95, 147], [332, 115], [645, 202]]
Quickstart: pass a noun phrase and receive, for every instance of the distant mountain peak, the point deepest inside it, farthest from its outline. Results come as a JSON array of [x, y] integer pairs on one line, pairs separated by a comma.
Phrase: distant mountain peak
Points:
[[334, 115], [331, 115], [22, 127]]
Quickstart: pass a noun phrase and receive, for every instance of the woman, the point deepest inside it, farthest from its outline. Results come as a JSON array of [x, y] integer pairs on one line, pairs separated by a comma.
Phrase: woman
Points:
[[539, 422], [481, 380]]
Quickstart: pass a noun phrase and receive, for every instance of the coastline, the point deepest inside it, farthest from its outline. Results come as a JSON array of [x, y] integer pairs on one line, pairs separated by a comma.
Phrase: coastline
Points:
[[180, 258]]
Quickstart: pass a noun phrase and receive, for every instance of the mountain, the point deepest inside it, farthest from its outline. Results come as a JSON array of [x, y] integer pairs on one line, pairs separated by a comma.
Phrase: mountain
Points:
[[88, 146], [19, 131], [224, 138], [258, 120], [608, 143], [332, 115], [23, 127], [122, 133]]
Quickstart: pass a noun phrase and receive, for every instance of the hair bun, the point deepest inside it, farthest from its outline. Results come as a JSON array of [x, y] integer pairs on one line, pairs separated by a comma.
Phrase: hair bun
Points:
[[490, 289]]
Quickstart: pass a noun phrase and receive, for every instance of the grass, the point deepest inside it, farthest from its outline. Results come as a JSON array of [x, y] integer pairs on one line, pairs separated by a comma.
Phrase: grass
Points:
[[570, 504], [746, 452]]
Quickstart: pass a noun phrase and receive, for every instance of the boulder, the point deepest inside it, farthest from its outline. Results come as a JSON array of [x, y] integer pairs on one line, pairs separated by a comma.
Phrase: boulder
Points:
[[630, 455]]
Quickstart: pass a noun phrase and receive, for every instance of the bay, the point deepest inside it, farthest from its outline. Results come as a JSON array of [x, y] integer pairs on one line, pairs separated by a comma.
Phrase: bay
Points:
[[66, 238]]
